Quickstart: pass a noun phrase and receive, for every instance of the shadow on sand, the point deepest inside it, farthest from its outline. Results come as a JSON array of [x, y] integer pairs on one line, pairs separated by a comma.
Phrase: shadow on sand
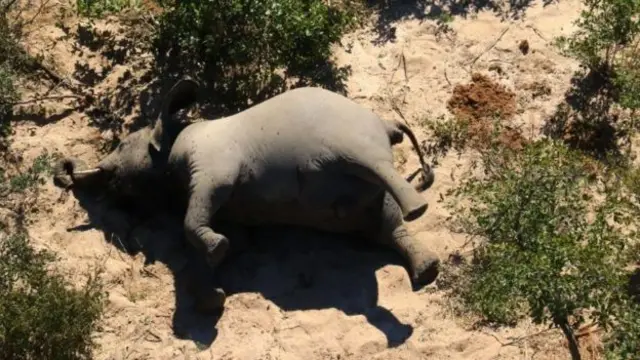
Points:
[[392, 11], [296, 269]]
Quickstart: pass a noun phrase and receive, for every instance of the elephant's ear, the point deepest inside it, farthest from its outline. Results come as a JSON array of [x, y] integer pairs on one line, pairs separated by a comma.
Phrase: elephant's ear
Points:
[[182, 95]]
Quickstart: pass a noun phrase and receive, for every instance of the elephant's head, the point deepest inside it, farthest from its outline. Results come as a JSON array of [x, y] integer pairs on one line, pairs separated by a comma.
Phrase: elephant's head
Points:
[[134, 170]]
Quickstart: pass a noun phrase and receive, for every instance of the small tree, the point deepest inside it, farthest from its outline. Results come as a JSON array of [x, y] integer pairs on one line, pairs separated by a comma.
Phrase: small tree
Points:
[[42, 316], [246, 51], [607, 45], [549, 250], [8, 45]]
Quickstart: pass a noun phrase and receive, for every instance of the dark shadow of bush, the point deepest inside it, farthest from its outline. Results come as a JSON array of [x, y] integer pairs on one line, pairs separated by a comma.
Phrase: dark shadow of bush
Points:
[[585, 120], [392, 11], [634, 285]]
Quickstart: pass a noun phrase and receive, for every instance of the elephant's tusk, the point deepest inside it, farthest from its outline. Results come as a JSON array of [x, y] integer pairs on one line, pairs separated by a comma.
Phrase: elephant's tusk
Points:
[[87, 172]]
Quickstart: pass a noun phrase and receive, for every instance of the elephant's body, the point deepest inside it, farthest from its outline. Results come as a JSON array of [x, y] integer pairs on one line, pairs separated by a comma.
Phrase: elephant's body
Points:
[[308, 157], [289, 160]]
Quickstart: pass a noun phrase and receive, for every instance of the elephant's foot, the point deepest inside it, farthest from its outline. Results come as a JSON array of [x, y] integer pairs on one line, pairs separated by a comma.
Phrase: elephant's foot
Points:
[[423, 264], [425, 268], [210, 302], [217, 249]]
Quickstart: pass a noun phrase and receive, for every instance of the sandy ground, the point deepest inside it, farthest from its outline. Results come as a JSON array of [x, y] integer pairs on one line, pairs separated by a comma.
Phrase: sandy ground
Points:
[[299, 295]]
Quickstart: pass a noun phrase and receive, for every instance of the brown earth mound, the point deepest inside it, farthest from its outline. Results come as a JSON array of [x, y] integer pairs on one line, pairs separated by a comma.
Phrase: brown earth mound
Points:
[[479, 104], [481, 99]]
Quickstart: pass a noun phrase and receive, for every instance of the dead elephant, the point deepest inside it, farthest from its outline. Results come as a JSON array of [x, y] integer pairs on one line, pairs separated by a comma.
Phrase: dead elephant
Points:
[[308, 157]]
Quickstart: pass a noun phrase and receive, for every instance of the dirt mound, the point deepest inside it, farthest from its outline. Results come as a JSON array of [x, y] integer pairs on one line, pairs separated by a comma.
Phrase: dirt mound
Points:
[[480, 103], [481, 99]]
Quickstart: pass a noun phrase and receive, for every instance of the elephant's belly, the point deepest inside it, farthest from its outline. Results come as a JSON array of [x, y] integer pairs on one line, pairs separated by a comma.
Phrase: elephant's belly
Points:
[[257, 214], [329, 201]]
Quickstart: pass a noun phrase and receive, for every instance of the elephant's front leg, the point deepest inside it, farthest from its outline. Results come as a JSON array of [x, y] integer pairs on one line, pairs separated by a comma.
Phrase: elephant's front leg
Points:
[[423, 262], [205, 199]]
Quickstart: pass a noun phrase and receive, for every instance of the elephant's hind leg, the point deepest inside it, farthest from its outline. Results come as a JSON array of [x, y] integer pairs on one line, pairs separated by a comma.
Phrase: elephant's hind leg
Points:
[[423, 263], [375, 164]]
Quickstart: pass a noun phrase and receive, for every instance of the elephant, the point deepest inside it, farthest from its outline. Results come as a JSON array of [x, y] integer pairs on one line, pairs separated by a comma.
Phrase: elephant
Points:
[[307, 157]]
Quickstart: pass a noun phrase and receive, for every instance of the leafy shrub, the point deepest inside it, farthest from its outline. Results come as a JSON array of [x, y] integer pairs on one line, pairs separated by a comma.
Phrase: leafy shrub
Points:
[[29, 179], [8, 96], [8, 45], [237, 46], [549, 250], [624, 342], [40, 316], [98, 8], [445, 135], [606, 44], [605, 29]]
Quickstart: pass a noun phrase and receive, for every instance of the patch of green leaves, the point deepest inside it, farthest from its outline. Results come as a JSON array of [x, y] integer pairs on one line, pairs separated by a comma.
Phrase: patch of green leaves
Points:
[[607, 44], [41, 315], [624, 341], [605, 27], [445, 135], [9, 56], [554, 240], [31, 178], [99, 8], [238, 47], [8, 96]]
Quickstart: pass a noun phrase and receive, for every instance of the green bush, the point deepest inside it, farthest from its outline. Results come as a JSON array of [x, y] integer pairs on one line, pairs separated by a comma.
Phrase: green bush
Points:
[[236, 47], [98, 8], [605, 28], [445, 135], [624, 341], [40, 316], [8, 46], [554, 243], [30, 179], [607, 45], [8, 96]]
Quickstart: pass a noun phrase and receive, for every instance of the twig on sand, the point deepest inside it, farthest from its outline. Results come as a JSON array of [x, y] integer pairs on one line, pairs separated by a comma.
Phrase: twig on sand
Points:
[[9, 5], [495, 337], [400, 62], [156, 337], [445, 74], [404, 65], [396, 108], [121, 244], [490, 47], [537, 32], [517, 340], [588, 330], [43, 4], [45, 98]]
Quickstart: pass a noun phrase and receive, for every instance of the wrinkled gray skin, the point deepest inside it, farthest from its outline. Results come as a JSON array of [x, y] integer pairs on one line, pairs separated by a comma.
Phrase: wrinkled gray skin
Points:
[[308, 157]]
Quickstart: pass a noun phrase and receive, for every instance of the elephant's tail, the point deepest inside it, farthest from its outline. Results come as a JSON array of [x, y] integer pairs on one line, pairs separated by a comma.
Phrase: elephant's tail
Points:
[[396, 129]]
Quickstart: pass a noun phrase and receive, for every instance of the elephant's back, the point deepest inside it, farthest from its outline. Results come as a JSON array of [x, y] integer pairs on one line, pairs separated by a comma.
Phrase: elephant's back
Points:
[[313, 113]]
